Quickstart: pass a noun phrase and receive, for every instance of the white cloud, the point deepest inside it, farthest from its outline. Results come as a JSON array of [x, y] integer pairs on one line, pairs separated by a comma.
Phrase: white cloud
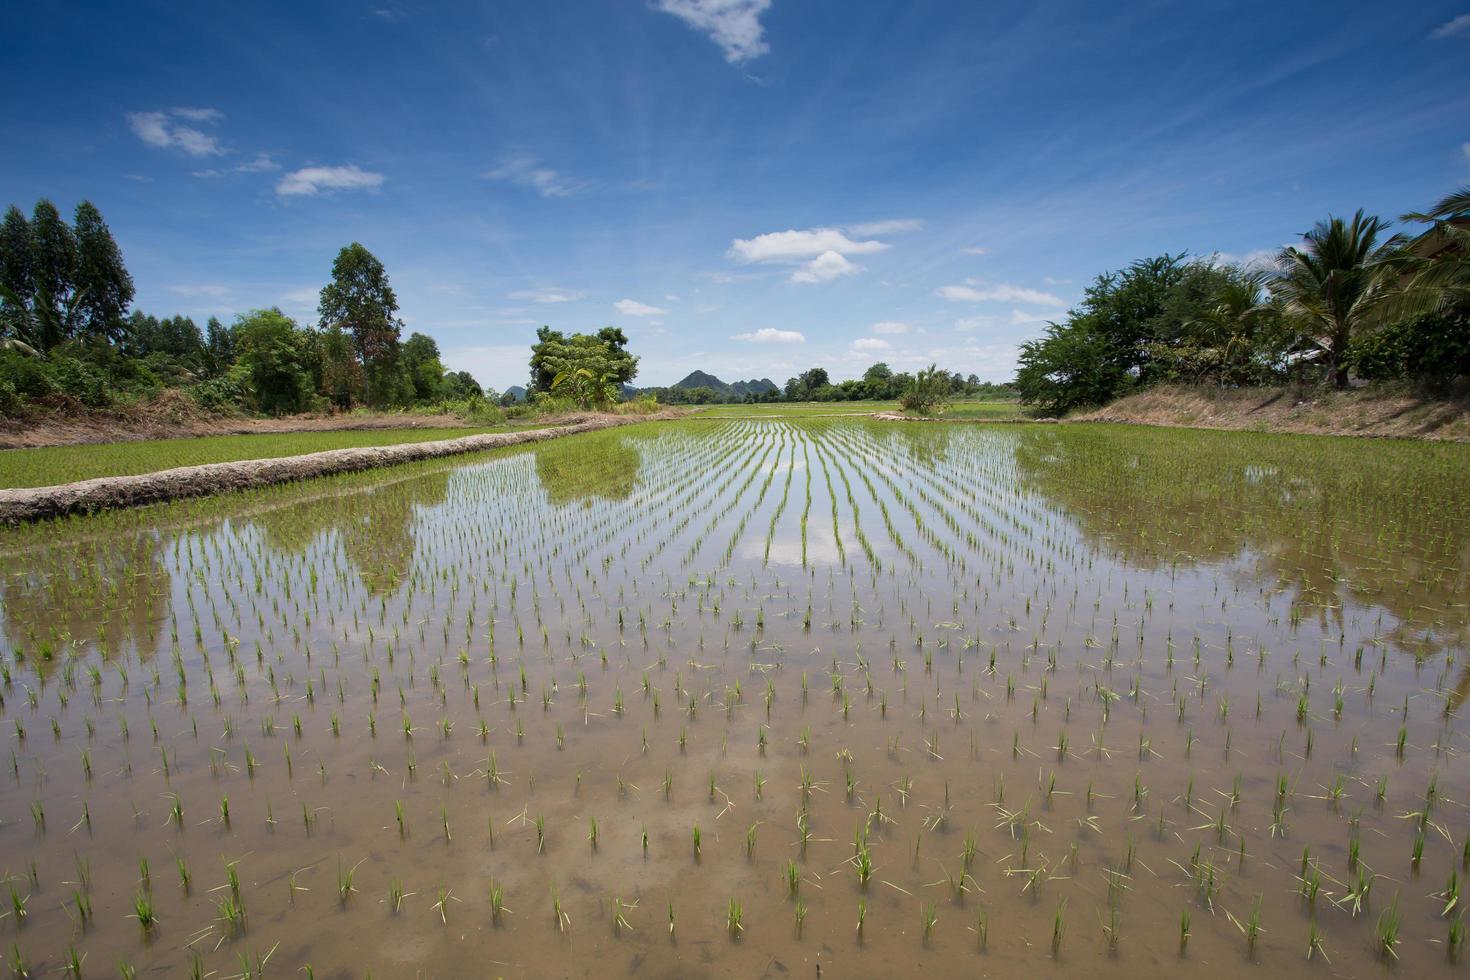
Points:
[[824, 268], [631, 307], [795, 245], [891, 226], [770, 335], [525, 170], [547, 295], [871, 345], [1056, 282], [161, 129], [735, 25], [1452, 28], [890, 327], [261, 164], [310, 181], [976, 250], [1003, 293]]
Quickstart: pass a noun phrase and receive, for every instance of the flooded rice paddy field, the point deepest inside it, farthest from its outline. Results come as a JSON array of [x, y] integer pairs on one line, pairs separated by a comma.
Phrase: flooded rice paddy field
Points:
[[747, 698]]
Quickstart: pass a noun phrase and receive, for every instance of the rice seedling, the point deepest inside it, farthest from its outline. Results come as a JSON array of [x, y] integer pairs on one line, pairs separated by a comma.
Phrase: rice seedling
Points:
[[978, 558]]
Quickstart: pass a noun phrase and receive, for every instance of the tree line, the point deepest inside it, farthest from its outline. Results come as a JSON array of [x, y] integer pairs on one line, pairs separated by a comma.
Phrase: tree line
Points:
[[1350, 301], [878, 383], [67, 332]]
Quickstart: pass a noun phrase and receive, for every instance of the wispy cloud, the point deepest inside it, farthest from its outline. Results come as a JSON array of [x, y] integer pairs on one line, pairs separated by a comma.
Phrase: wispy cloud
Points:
[[165, 131], [260, 165], [631, 307], [198, 115], [770, 335], [735, 25], [547, 295], [871, 345], [976, 250], [891, 327], [971, 292], [309, 181], [525, 170], [890, 226], [1452, 28]]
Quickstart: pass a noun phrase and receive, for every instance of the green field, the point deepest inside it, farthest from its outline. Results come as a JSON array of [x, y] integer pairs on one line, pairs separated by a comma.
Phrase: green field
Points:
[[968, 409], [50, 465], [993, 410], [794, 409]]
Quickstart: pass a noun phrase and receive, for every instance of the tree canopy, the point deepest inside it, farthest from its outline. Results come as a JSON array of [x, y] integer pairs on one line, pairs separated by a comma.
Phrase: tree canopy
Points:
[[603, 355]]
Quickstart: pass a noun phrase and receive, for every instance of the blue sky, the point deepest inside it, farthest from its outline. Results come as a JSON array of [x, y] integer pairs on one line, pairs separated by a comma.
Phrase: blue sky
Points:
[[748, 187]]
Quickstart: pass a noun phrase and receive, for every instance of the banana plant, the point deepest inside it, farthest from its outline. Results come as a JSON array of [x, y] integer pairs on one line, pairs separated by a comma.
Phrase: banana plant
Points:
[[588, 389]]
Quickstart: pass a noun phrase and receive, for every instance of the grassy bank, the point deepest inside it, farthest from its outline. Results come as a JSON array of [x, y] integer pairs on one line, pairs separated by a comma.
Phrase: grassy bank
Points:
[[1383, 411], [51, 465]]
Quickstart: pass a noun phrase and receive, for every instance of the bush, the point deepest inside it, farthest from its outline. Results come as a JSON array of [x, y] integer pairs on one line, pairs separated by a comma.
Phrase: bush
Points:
[[639, 405], [225, 393], [80, 380], [1434, 348], [25, 375], [927, 393], [10, 400]]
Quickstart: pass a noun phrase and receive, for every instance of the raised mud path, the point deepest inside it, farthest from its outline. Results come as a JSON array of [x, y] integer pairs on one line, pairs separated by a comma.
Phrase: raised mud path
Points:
[[103, 493]]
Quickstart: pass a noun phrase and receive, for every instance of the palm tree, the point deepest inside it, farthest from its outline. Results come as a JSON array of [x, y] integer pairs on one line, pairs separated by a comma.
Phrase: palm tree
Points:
[[1340, 282], [1442, 277]]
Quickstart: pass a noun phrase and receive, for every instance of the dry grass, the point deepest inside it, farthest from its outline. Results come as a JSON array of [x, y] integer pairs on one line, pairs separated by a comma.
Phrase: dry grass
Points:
[[1380, 411]]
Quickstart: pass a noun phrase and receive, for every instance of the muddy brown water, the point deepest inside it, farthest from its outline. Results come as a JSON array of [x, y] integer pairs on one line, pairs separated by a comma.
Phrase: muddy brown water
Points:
[[1034, 674]]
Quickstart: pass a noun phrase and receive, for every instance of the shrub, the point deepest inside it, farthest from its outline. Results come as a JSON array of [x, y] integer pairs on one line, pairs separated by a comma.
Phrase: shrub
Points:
[[639, 405], [10, 400], [1434, 348], [927, 393], [224, 393]]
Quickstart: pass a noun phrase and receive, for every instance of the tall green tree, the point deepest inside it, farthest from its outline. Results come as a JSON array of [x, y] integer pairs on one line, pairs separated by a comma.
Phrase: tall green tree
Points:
[[219, 347], [424, 368], [361, 302], [16, 285], [276, 354], [53, 275], [1341, 282], [342, 379], [103, 287]]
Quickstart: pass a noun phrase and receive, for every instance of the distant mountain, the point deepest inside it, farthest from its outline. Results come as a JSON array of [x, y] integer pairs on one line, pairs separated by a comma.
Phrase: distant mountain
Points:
[[516, 392], [737, 389]]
